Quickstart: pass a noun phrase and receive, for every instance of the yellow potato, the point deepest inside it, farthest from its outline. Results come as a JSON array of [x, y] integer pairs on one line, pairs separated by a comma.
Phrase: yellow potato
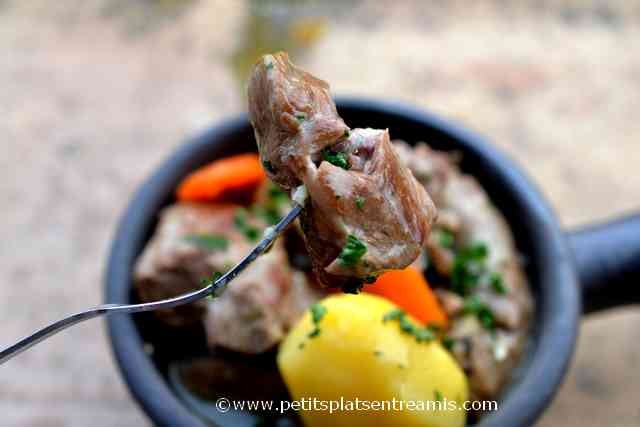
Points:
[[356, 355]]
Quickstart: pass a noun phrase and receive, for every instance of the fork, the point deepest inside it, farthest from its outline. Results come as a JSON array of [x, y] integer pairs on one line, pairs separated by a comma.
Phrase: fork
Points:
[[213, 288]]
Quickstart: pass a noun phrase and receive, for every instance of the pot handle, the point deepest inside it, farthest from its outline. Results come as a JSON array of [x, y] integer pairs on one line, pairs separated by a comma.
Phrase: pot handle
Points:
[[607, 258]]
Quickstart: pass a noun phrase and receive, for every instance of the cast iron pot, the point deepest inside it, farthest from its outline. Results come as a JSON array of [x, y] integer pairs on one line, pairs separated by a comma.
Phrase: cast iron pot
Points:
[[570, 273]]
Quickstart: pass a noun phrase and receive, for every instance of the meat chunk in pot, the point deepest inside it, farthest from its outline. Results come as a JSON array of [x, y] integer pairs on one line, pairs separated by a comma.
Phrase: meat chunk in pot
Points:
[[366, 212], [250, 316], [467, 216]]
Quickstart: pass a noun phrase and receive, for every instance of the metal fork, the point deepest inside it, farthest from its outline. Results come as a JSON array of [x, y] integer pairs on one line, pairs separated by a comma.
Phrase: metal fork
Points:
[[215, 288]]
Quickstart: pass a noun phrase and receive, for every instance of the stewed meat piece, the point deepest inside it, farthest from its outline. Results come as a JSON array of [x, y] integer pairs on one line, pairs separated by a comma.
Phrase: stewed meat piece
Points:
[[191, 242], [293, 117], [376, 202], [366, 212], [467, 217]]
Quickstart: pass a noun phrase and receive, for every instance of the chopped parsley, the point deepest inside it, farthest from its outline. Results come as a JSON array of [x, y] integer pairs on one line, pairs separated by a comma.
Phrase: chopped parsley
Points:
[[497, 284], [470, 269], [240, 220], [347, 132], [474, 305], [269, 64], [421, 334], [268, 166], [446, 239], [300, 116], [209, 242], [352, 251], [340, 160], [353, 285], [206, 281], [448, 343], [360, 202], [370, 279], [276, 195], [318, 311], [394, 314]]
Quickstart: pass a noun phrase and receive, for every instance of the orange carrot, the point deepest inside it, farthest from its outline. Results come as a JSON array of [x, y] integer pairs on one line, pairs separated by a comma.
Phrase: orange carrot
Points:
[[409, 290], [227, 175]]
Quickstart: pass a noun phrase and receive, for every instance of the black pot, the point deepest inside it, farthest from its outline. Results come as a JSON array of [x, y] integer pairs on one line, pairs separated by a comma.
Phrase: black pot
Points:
[[570, 273]]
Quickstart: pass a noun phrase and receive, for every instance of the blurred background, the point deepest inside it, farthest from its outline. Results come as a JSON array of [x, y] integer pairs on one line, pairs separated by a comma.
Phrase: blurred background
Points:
[[95, 93]]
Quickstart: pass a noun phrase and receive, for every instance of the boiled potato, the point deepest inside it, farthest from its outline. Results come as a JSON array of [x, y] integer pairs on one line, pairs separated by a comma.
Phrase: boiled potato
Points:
[[357, 355]]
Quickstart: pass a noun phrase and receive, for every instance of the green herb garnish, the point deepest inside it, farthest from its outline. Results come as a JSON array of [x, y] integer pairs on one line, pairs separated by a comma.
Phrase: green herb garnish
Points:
[[335, 158], [347, 132], [474, 305], [370, 279], [268, 166], [468, 268], [446, 239], [276, 195], [314, 333], [271, 210], [240, 220], [406, 325], [352, 286], [497, 284], [360, 202], [352, 251], [318, 311], [448, 343], [209, 242], [426, 334], [206, 281], [437, 395], [394, 314], [301, 116]]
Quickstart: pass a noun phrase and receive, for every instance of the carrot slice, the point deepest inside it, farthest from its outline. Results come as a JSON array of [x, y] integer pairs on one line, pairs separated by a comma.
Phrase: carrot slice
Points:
[[409, 290], [211, 182]]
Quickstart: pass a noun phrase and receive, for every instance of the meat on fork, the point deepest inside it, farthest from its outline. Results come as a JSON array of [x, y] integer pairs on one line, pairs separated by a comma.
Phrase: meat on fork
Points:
[[293, 118], [366, 212]]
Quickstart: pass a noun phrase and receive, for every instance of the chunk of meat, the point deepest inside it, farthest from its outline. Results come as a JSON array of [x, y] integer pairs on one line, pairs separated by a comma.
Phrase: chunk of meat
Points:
[[171, 265], [253, 313], [466, 211], [486, 358], [293, 117], [260, 307], [360, 193], [376, 200], [432, 168]]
